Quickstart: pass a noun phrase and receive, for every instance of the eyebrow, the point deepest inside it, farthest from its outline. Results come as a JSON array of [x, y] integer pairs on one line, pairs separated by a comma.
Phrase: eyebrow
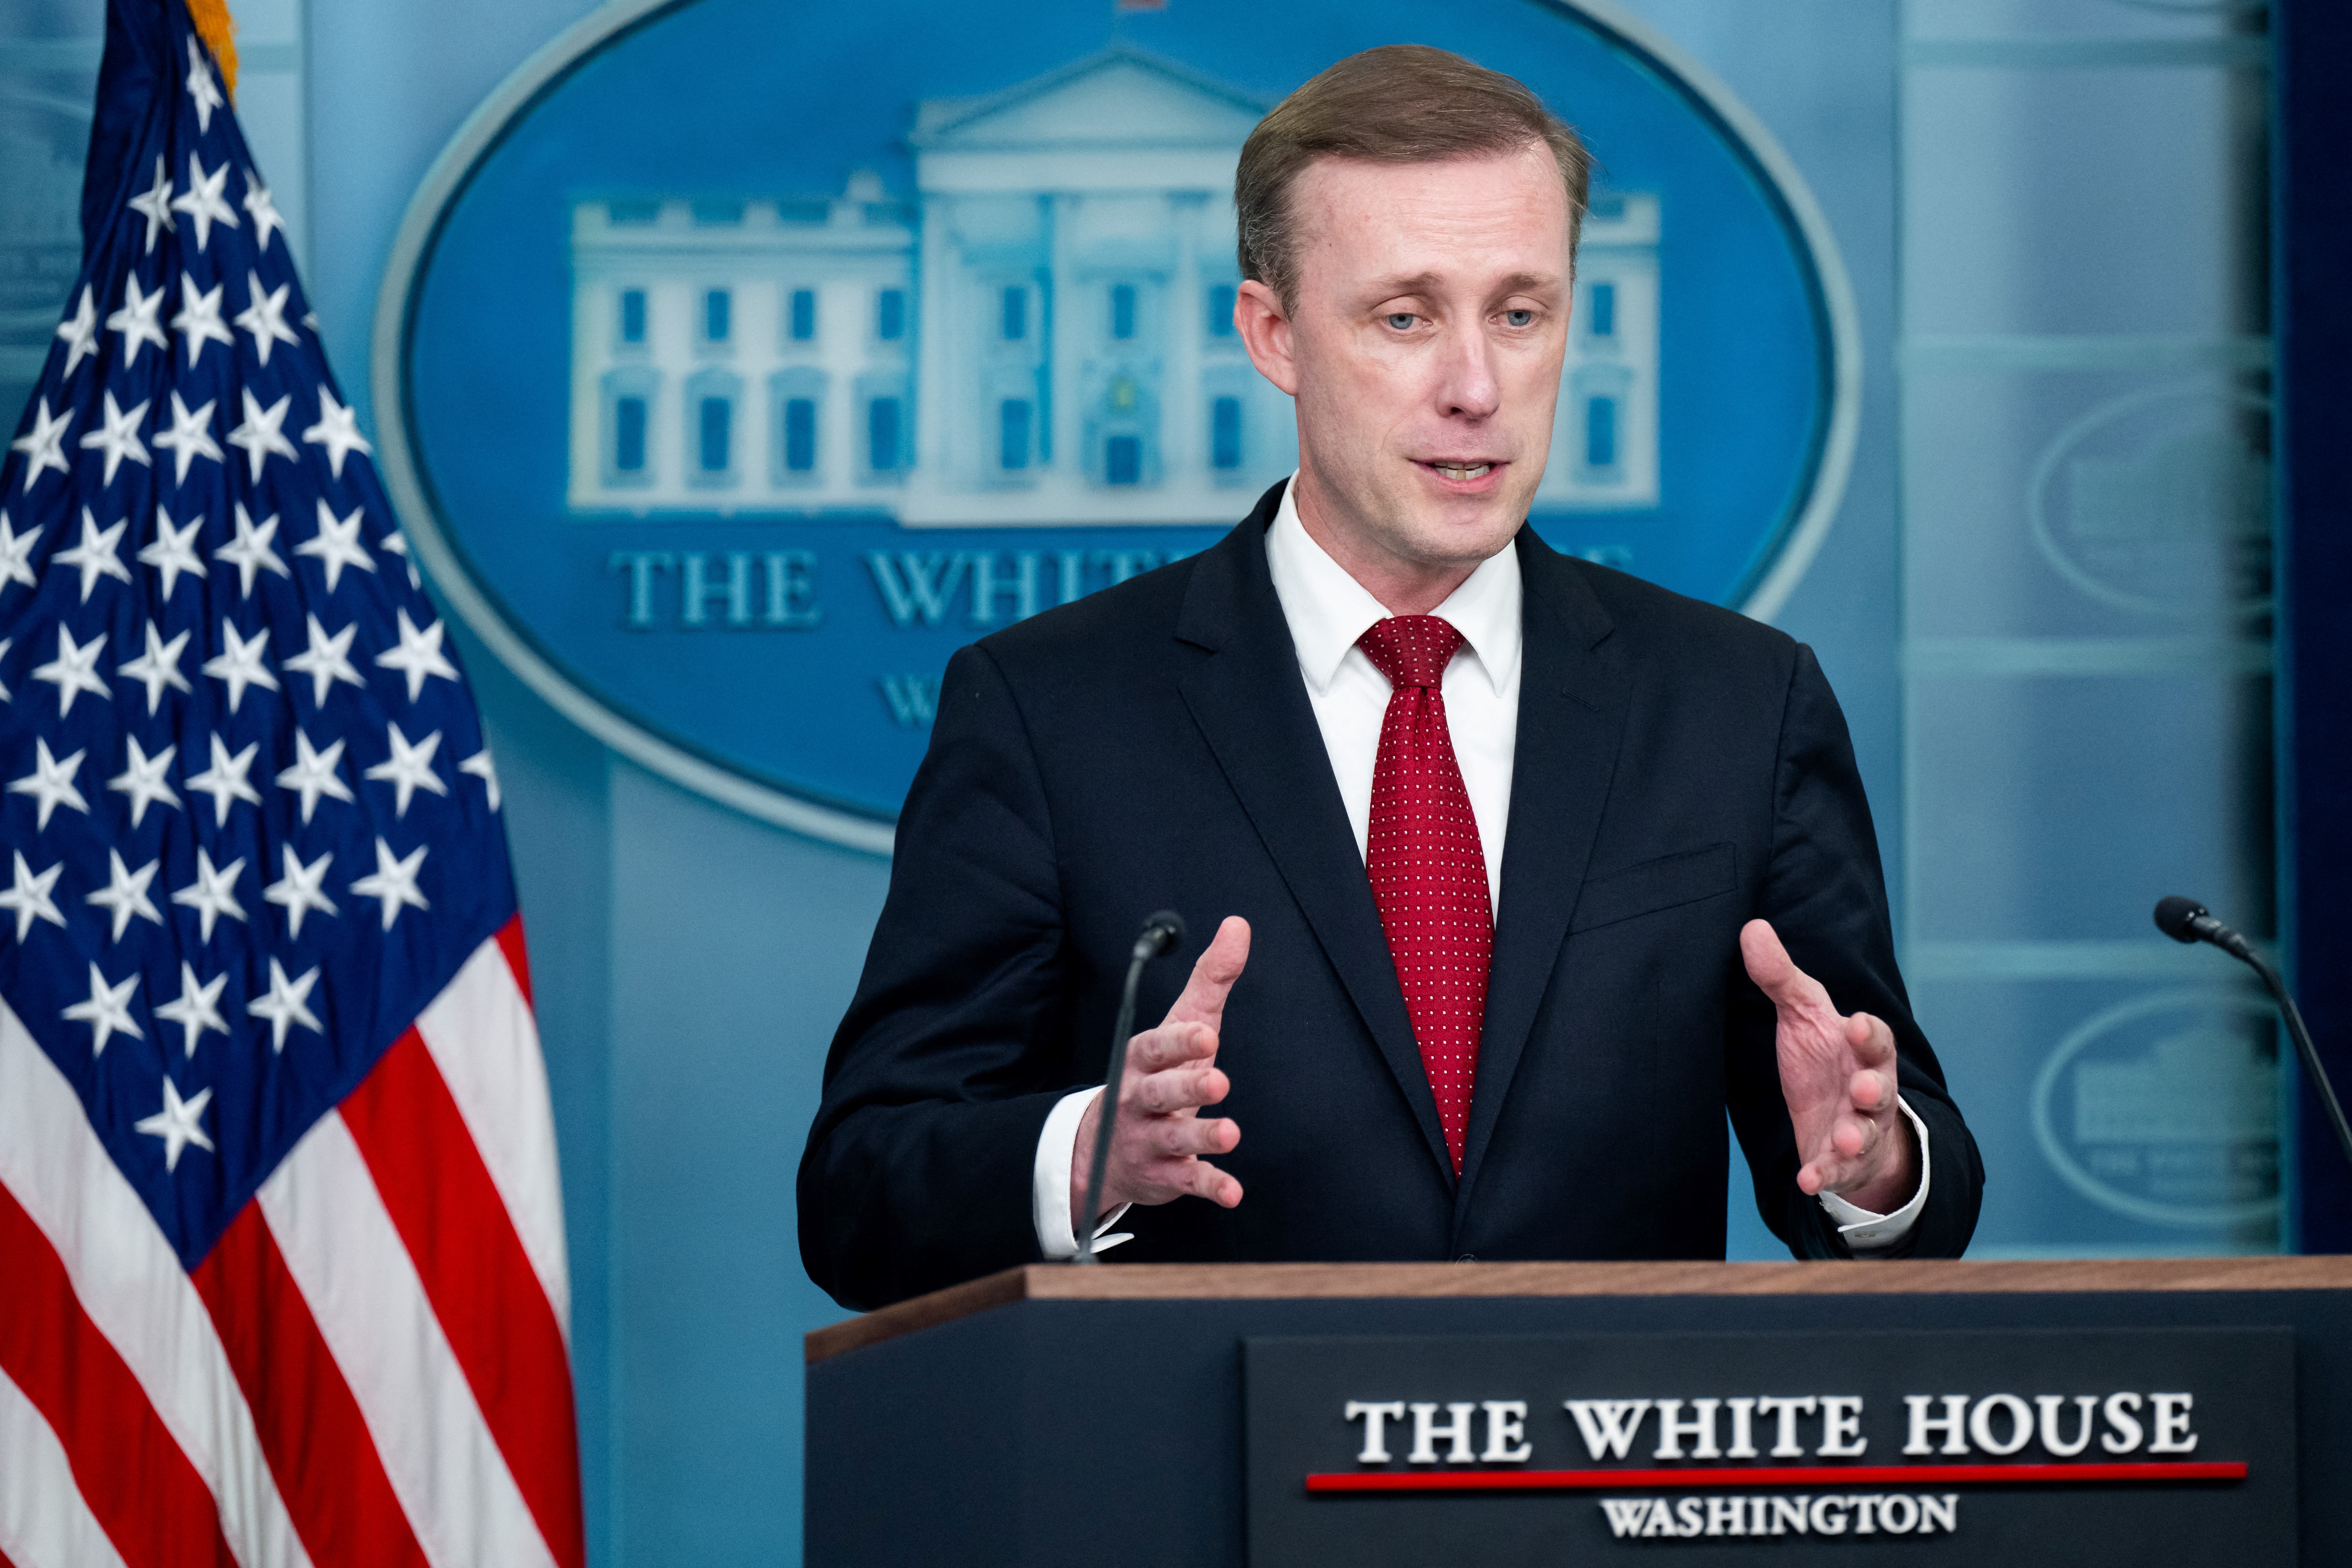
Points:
[[1427, 282]]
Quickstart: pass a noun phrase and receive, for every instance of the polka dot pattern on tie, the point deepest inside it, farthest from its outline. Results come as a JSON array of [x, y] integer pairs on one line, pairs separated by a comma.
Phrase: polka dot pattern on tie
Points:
[[1427, 868]]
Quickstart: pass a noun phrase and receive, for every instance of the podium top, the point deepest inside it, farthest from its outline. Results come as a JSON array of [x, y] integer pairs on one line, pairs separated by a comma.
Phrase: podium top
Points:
[[1274, 1281]]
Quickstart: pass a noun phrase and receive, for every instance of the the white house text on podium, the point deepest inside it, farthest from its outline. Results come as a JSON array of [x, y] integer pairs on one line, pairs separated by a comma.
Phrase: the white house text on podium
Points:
[[1043, 335]]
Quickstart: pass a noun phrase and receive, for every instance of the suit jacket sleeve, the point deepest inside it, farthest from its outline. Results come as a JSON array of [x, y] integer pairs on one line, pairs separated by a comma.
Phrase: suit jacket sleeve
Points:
[[1825, 896], [918, 1167]]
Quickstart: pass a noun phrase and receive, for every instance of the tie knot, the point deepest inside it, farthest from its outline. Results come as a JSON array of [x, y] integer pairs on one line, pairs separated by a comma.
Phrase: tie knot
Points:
[[1410, 650]]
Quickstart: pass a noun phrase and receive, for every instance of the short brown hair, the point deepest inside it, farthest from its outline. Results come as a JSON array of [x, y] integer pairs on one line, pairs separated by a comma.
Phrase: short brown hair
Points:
[[1400, 103]]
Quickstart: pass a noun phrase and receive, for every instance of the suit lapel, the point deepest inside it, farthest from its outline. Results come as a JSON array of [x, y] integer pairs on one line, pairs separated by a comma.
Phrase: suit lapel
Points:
[[1250, 702], [1571, 721]]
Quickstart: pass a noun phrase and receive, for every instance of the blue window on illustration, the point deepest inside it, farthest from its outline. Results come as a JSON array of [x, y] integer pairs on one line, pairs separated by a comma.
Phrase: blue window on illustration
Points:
[[1016, 325], [890, 317], [1123, 461], [1012, 433], [1602, 298], [800, 435], [1225, 433], [1122, 311], [804, 315], [882, 434], [717, 417], [1601, 433], [1221, 311], [632, 315], [629, 435], [718, 308]]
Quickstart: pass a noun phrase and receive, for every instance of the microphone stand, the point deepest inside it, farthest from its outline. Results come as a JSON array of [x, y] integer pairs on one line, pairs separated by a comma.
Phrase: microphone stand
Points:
[[1161, 933], [2187, 920]]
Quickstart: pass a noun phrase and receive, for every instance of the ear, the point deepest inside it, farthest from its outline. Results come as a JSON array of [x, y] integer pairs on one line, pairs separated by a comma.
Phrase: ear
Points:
[[1264, 328]]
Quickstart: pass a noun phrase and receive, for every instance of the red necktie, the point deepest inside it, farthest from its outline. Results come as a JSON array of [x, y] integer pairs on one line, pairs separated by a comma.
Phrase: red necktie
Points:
[[1428, 873]]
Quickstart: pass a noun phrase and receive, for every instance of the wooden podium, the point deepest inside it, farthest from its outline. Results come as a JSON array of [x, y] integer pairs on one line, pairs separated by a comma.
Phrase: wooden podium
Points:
[[1219, 1415]]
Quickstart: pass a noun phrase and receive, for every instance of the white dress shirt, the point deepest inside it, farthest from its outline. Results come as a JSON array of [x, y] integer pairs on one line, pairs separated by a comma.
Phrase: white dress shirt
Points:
[[1328, 611]]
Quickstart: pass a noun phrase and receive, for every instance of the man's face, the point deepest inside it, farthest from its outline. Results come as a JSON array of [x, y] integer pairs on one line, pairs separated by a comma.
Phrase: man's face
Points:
[[1424, 350]]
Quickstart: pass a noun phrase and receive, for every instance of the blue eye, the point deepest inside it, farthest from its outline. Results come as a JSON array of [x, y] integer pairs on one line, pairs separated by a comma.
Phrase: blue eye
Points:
[[1518, 318], [1402, 319]]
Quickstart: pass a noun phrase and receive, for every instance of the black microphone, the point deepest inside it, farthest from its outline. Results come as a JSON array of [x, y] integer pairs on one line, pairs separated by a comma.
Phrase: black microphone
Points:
[[1160, 934], [2187, 920]]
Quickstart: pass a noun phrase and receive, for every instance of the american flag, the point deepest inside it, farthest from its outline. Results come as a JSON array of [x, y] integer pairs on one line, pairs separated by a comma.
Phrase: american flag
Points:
[[282, 1272]]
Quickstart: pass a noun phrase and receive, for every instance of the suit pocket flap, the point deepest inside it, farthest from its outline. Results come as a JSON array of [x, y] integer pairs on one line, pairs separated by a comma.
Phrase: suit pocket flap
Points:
[[1655, 885]]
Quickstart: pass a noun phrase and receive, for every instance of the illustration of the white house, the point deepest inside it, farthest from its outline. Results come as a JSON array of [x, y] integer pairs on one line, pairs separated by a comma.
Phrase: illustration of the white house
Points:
[[1043, 335]]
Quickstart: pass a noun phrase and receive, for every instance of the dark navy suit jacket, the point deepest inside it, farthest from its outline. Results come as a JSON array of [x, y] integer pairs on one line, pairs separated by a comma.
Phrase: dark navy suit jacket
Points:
[[1680, 770]]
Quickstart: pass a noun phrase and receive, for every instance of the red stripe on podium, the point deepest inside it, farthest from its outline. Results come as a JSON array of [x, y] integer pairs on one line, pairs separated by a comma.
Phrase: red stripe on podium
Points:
[[1783, 1476]]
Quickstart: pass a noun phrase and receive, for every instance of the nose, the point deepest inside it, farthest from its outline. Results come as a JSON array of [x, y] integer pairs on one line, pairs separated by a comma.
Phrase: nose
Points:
[[1469, 388]]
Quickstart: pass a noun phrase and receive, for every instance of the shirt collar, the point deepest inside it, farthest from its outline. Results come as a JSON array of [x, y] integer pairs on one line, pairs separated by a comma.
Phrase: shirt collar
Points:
[[1328, 610]]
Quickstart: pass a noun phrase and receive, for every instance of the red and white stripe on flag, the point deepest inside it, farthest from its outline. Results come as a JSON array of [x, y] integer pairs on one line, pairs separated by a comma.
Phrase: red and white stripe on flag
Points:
[[368, 1369]]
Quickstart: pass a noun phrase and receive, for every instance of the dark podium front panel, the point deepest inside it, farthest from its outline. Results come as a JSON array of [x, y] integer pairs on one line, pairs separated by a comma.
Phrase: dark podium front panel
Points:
[[2086, 1414]]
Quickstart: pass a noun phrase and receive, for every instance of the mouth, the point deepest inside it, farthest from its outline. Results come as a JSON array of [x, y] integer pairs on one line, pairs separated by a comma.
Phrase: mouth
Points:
[[1474, 473]]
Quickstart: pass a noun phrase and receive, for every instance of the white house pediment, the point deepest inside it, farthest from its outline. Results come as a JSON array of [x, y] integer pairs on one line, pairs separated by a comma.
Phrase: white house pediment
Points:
[[1112, 100]]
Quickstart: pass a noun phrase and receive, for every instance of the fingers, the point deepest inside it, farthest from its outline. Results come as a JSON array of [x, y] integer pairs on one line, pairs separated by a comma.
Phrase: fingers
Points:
[[1188, 1137], [1179, 1089], [1213, 974], [1170, 1046], [1873, 1041], [1775, 973]]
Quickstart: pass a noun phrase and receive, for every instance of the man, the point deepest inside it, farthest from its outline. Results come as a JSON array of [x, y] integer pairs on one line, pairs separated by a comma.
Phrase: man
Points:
[[1530, 869]]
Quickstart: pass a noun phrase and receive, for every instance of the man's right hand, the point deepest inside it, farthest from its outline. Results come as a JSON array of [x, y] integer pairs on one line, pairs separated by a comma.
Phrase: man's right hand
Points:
[[1159, 1138]]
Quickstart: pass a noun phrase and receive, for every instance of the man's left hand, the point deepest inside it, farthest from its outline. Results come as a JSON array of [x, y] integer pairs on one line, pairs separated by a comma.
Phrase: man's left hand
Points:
[[1838, 1074]]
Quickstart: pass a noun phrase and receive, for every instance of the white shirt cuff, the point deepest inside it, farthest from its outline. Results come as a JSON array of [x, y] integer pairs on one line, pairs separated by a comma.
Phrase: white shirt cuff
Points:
[[1863, 1231], [1049, 1187]]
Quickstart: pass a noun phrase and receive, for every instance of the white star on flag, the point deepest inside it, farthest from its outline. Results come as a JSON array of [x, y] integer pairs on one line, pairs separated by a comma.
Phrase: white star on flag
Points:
[[250, 552], [159, 667], [141, 779], [199, 320], [178, 1124], [409, 768], [95, 555], [314, 773], [419, 655], [108, 1011], [51, 782], [202, 89], [337, 543], [482, 768], [213, 892], [241, 666], [16, 553], [224, 781], [393, 881], [80, 329], [264, 316], [119, 438], [299, 890], [287, 1004], [198, 1008], [125, 894], [155, 207], [75, 669], [338, 430], [202, 201], [136, 320], [174, 549], [327, 660], [44, 445], [258, 207], [260, 435], [190, 437], [30, 897]]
